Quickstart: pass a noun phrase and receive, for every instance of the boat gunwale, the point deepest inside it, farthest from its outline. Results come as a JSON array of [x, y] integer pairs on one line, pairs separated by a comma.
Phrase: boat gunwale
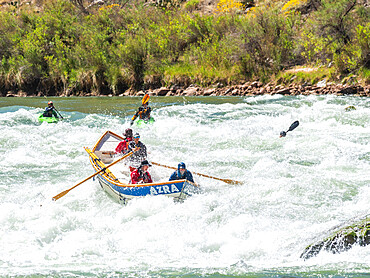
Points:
[[131, 185], [104, 175]]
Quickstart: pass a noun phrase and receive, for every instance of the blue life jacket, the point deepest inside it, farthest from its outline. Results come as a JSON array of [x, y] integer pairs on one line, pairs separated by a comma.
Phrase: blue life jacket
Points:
[[49, 112], [177, 176]]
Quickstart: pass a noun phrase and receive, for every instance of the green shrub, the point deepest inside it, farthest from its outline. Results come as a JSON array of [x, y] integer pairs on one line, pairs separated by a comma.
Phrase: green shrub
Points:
[[116, 47]]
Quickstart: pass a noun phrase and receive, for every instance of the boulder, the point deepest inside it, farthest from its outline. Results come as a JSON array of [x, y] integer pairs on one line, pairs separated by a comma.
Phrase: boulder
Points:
[[190, 91], [348, 91], [341, 239], [162, 91], [209, 92]]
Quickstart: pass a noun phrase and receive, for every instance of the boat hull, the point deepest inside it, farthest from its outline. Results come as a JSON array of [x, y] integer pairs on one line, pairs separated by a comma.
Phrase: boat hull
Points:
[[101, 156], [179, 191], [48, 119], [142, 123]]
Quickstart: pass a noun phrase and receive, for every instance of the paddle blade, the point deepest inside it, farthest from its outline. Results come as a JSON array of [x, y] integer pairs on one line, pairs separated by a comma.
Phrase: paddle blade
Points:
[[293, 125], [60, 195], [232, 181], [145, 99]]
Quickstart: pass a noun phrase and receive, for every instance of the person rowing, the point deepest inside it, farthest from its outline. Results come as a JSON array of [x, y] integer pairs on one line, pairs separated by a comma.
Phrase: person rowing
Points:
[[144, 111], [122, 146], [182, 173], [50, 111], [139, 150]]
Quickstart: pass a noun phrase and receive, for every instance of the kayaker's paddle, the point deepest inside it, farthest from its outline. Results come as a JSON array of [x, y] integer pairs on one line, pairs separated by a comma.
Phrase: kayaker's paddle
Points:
[[145, 99], [203, 175], [58, 112], [292, 127], [61, 194]]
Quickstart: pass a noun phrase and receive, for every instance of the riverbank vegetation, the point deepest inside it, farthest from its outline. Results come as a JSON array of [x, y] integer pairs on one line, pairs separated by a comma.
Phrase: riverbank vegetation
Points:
[[76, 48]]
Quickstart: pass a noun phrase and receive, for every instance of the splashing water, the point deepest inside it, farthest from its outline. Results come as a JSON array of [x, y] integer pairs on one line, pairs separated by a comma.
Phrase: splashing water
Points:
[[294, 189]]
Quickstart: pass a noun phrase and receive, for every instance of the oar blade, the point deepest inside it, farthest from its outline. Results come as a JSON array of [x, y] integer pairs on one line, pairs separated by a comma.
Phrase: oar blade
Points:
[[293, 126], [96, 173], [60, 195], [232, 181]]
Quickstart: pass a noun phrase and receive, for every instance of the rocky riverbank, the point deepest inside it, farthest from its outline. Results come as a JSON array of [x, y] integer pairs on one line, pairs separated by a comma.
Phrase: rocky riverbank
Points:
[[246, 89], [257, 88]]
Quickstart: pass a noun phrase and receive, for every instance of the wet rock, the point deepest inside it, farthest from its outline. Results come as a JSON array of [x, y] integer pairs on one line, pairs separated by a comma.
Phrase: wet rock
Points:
[[129, 92], [342, 239], [209, 92], [284, 91], [256, 84], [190, 91], [162, 91], [348, 91], [350, 108]]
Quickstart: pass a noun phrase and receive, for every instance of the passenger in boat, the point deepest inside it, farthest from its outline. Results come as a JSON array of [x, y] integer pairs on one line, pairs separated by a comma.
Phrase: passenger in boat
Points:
[[49, 111], [143, 111], [122, 146], [141, 174], [139, 154], [181, 173]]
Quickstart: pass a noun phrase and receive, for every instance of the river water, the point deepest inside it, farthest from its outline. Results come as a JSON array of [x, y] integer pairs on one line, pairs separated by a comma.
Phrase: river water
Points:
[[295, 189]]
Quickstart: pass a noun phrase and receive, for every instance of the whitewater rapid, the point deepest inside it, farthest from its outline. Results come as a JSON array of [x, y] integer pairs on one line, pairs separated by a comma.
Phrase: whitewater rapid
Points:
[[295, 189]]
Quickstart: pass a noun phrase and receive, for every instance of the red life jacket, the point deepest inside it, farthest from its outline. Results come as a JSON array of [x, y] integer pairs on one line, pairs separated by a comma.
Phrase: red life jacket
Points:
[[138, 176], [123, 145]]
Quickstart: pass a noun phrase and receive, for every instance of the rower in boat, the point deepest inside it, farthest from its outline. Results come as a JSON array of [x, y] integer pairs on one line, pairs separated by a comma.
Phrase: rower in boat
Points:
[[182, 173], [139, 152]]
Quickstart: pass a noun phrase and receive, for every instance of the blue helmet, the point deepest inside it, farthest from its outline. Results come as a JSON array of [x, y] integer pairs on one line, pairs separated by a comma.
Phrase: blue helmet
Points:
[[181, 165]]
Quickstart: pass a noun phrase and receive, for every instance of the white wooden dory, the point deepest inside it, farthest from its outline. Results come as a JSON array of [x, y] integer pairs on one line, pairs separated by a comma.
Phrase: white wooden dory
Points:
[[115, 180]]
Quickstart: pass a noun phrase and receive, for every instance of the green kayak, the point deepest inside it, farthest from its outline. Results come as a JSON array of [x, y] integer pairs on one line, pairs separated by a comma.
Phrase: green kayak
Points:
[[142, 123], [48, 119]]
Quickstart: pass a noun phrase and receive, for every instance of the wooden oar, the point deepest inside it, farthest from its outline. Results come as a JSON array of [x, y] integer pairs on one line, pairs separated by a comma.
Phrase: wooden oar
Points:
[[203, 175], [61, 194]]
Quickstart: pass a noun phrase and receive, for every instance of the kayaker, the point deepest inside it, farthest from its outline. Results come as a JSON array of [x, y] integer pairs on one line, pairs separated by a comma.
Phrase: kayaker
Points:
[[49, 111], [122, 146], [182, 173], [144, 111], [139, 154], [141, 174]]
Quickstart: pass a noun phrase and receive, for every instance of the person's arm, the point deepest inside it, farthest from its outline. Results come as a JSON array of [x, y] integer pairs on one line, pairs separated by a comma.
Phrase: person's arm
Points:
[[143, 147], [131, 146], [149, 178], [189, 176], [120, 147], [149, 111], [54, 113], [134, 177], [136, 115], [173, 176]]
